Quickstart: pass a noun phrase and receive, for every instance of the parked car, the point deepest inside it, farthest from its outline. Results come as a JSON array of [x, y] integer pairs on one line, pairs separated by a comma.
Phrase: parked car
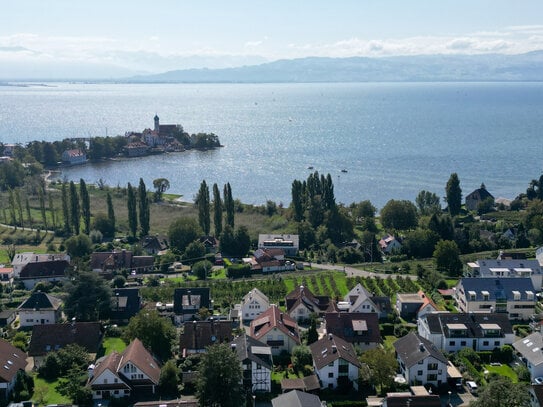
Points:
[[472, 387]]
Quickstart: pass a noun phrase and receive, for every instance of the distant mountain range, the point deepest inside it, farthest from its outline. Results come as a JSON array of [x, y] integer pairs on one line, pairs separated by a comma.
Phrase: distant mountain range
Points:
[[490, 67]]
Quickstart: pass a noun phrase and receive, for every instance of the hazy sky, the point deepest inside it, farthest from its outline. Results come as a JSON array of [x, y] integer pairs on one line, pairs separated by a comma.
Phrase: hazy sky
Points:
[[115, 36]]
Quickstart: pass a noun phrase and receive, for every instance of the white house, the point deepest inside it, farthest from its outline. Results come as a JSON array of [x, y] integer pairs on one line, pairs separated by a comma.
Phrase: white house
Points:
[[508, 268], [22, 259], [390, 245], [359, 300], [335, 361], [256, 361], [450, 332], [254, 303], [512, 295], [276, 329], [119, 375], [39, 308], [74, 157], [289, 243], [420, 361], [530, 349]]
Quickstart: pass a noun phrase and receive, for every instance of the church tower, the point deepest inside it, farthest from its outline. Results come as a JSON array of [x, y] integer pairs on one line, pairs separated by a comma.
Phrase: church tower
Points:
[[157, 124]]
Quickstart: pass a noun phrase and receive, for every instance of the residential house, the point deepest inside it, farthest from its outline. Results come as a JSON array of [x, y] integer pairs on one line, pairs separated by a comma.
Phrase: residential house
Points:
[[7, 317], [123, 374], [276, 329], [360, 300], [74, 157], [256, 361], [6, 273], [335, 362], [153, 245], [361, 329], [411, 306], [22, 259], [50, 337], [48, 271], [13, 360], [197, 335], [508, 268], [306, 384], [188, 301], [390, 244], [125, 303], [539, 255], [210, 243], [515, 296], [476, 197], [254, 303], [530, 350], [420, 361], [108, 263], [301, 303], [297, 398], [418, 396], [269, 261], [136, 149], [450, 332], [39, 308], [289, 243]]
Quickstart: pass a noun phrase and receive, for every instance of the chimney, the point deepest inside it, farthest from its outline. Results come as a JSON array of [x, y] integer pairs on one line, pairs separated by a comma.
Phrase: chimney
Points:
[[334, 349], [233, 347], [330, 336], [421, 347]]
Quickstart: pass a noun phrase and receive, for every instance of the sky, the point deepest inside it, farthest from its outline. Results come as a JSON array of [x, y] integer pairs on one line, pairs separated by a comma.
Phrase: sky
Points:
[[112, 38]]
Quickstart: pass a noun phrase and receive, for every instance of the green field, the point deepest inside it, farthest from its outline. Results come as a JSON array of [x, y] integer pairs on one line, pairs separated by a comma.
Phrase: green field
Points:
[[47, 392]]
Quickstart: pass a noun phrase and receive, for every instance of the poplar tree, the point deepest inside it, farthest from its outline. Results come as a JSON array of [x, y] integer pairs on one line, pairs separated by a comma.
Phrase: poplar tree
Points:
[[52, 210], [19, 207], [12, 212], [110, 213], [144, 214], [132, 210], [297, 201], [75, 209], [65, 210], [454, 194], [202, 200], [85, 205], [28, 213], [229, 205], [217, 210], [41, 199]]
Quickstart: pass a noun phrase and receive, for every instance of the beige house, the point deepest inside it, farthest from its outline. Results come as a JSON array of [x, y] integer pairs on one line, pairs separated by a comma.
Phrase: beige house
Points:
[[276, 329]]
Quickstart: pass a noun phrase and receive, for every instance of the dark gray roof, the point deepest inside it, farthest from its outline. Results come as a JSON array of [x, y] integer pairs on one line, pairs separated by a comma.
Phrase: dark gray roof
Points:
[[296, 398], [184, 299], [40, 301], [531, 347], [497, 288], [437, 323], [248, 348], [331, 347], [413, 348]]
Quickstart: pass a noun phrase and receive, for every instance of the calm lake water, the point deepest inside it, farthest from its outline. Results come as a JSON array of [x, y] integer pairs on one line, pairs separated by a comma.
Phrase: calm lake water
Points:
[[393, 139]]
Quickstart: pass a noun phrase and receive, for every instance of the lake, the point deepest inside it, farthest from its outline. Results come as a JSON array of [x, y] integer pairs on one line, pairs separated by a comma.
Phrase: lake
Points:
[[393, 139]]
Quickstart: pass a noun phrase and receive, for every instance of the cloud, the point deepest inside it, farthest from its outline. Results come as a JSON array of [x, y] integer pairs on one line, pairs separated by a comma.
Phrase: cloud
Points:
[[252, 44]]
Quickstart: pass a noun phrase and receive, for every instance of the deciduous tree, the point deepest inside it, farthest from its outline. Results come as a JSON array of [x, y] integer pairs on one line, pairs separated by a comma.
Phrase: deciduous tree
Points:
[[202, 201], [144, 209], [219, 378], [502, 392], [161, 185], [110, 215], [89, 298], [229, 205], [399, 214], [382, 364], [132, 210], [85, 205], [447, 257], [427, 202], [75, 209], [183, 231], [217, 210]]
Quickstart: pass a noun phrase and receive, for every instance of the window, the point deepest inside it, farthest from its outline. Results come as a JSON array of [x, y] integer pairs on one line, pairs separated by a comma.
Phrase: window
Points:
[[431, 377], [420, 362], [115, 380], [331, 364], [485, 343], [463, 343], [419, 373], [432, 366], [496, 343], [258, 366], [452, 343], [331, 375]]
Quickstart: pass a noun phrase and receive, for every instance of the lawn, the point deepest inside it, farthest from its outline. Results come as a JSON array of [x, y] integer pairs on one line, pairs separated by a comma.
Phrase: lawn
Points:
[[389, 341], [50, 394], [113, 344], [503, 370]]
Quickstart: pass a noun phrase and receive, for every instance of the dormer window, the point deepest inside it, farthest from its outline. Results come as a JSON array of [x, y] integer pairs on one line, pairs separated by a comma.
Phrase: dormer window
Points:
[[529, 295], [486, 295], [516, 295], [472, 295]]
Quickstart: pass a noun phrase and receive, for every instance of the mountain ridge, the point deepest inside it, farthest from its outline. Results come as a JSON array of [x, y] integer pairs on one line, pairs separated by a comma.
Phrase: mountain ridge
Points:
[[483, 67]]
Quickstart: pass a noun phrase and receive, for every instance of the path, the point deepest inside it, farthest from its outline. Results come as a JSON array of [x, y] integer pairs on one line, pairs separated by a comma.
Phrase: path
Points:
[[354, 272]]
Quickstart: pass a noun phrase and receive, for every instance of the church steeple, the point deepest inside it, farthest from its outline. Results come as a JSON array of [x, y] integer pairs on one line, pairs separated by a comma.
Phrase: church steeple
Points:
[[157, 123]]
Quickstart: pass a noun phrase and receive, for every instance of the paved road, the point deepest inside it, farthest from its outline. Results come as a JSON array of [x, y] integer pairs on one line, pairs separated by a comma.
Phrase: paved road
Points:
[[353, 272]]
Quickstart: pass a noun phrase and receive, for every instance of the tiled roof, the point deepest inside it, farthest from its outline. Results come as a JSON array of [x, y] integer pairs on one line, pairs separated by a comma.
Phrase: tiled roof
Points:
[[12, 360], [136, 354], [531, 347], [200, 334], [437, 323], [40, 301], [302, 295], [248, 348], [44, 269], [413, 348], [186, 298], [497, 288], [343, 324], [50, 337], [274, 318], [296, 398], [330, 348]]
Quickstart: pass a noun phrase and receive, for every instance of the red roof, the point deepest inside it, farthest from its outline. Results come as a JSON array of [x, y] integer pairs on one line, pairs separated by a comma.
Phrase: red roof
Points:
[[274, 318]]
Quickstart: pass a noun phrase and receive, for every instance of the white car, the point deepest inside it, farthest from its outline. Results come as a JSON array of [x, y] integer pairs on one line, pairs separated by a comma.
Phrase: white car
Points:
[[539, 380]]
